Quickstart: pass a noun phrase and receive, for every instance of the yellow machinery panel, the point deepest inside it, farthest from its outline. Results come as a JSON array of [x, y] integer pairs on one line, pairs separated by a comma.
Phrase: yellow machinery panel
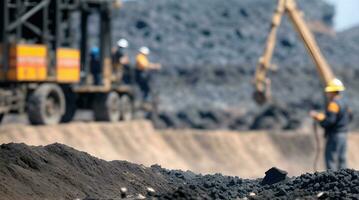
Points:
[[27, 63], [68, 65]]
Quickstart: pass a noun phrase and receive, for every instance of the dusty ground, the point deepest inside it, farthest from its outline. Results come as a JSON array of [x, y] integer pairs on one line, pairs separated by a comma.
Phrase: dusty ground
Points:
[[57, 171], [246, 154]]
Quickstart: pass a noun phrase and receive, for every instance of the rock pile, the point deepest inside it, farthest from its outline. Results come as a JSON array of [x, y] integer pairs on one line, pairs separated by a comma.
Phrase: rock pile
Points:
[[325, 185], [60, 172]]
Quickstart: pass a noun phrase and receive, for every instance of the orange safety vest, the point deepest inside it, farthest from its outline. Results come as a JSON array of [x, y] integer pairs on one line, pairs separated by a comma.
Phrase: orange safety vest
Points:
[[142, 62]]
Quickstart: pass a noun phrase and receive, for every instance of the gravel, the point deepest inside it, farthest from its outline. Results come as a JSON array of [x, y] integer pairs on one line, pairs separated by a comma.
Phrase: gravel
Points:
[[57, 171]]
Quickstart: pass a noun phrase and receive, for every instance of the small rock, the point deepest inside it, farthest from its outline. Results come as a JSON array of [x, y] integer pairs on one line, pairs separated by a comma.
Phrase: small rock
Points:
[[179, 175], [322, 195], [274, 175], [140, 196], [123, 191], [281, 192], [192, 187], [150, 191], [207, 184]]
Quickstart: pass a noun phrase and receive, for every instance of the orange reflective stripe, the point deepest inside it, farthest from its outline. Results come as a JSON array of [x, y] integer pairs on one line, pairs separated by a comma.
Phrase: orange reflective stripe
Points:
[[142, 61], [333, 107]]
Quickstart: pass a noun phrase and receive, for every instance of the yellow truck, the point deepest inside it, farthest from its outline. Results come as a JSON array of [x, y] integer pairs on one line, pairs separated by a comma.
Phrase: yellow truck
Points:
[[45, 61]]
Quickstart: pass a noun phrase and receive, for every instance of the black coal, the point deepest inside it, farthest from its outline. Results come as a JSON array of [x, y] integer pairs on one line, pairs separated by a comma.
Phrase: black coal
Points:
[[209, 50], [60, 172]]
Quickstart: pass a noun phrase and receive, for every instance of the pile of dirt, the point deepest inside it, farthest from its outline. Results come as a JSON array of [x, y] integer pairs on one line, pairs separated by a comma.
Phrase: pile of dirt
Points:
[[209, 50], [342, 184], [201, 151], [60, 172]]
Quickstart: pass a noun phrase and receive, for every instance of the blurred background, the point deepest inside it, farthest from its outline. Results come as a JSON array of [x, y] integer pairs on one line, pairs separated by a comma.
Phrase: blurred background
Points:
[[346, 13], [207, 119]]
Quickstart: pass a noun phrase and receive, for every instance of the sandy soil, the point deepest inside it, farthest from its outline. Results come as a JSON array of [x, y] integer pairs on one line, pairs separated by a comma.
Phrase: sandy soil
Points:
[[245, 154]]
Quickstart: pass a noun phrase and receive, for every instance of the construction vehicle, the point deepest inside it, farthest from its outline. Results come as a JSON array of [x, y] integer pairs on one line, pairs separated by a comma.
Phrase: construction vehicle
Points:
[[262, 83], [44, 61]]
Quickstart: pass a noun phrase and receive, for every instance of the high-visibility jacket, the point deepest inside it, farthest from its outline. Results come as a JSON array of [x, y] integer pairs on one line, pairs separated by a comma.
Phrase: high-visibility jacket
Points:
[[336, 118], [142, 62]]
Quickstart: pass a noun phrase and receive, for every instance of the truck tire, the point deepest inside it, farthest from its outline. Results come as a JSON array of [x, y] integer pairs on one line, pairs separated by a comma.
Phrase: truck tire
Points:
[[46, 105], [106, 107], [127, 108], [70, 110]]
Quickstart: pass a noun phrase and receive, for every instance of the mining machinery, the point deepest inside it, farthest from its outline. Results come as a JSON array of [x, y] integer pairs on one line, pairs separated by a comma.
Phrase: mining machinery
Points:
[[262, 82], [44, 61]]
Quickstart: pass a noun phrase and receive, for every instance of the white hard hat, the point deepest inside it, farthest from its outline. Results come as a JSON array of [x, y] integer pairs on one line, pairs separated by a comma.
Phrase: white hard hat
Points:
[[144, 50], [123, 43]]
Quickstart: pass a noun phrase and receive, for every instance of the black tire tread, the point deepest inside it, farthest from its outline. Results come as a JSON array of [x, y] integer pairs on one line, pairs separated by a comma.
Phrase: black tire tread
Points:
[[100, 107], [36, 100], [70, 110]]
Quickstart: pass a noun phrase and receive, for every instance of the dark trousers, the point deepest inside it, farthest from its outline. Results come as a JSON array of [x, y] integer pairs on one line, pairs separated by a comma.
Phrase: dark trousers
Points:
[[97, 77], [335, 151], [128, 75], [143, 80]]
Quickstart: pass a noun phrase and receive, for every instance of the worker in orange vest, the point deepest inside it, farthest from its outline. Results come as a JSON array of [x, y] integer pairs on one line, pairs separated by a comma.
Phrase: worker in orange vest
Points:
[[335, 121], [143, 71], [121, 62]]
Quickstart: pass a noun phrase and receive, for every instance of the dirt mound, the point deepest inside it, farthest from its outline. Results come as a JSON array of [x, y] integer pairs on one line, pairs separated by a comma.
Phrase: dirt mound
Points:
[[199, 151], [210, 48], [60, 172]]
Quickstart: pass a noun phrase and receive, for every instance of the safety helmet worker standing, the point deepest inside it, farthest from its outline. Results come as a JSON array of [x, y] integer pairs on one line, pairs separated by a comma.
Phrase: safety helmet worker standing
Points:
[[122, 43], [143, 68], [335, 85], [144, 50], [335, 121]]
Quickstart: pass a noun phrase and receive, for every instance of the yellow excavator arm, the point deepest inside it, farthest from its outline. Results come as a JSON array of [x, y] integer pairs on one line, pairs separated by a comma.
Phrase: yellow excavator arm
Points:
[[262, 83]]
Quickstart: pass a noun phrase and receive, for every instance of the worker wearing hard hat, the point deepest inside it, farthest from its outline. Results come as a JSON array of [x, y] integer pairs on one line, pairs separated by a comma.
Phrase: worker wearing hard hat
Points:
[[95, 65], [120, 53], [335, 122], [143, 69], [121, 61]]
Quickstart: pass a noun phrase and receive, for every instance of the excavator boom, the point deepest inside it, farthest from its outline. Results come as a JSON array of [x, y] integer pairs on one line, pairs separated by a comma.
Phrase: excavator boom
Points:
[[262, 83]]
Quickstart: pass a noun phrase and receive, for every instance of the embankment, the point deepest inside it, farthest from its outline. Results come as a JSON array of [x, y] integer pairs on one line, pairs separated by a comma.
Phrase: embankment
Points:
[[246, 154]]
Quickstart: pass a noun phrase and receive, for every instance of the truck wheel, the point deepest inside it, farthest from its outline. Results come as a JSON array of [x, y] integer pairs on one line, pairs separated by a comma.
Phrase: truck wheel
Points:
[[127, 108], [70, 110], [107, 107], [46, 105]]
